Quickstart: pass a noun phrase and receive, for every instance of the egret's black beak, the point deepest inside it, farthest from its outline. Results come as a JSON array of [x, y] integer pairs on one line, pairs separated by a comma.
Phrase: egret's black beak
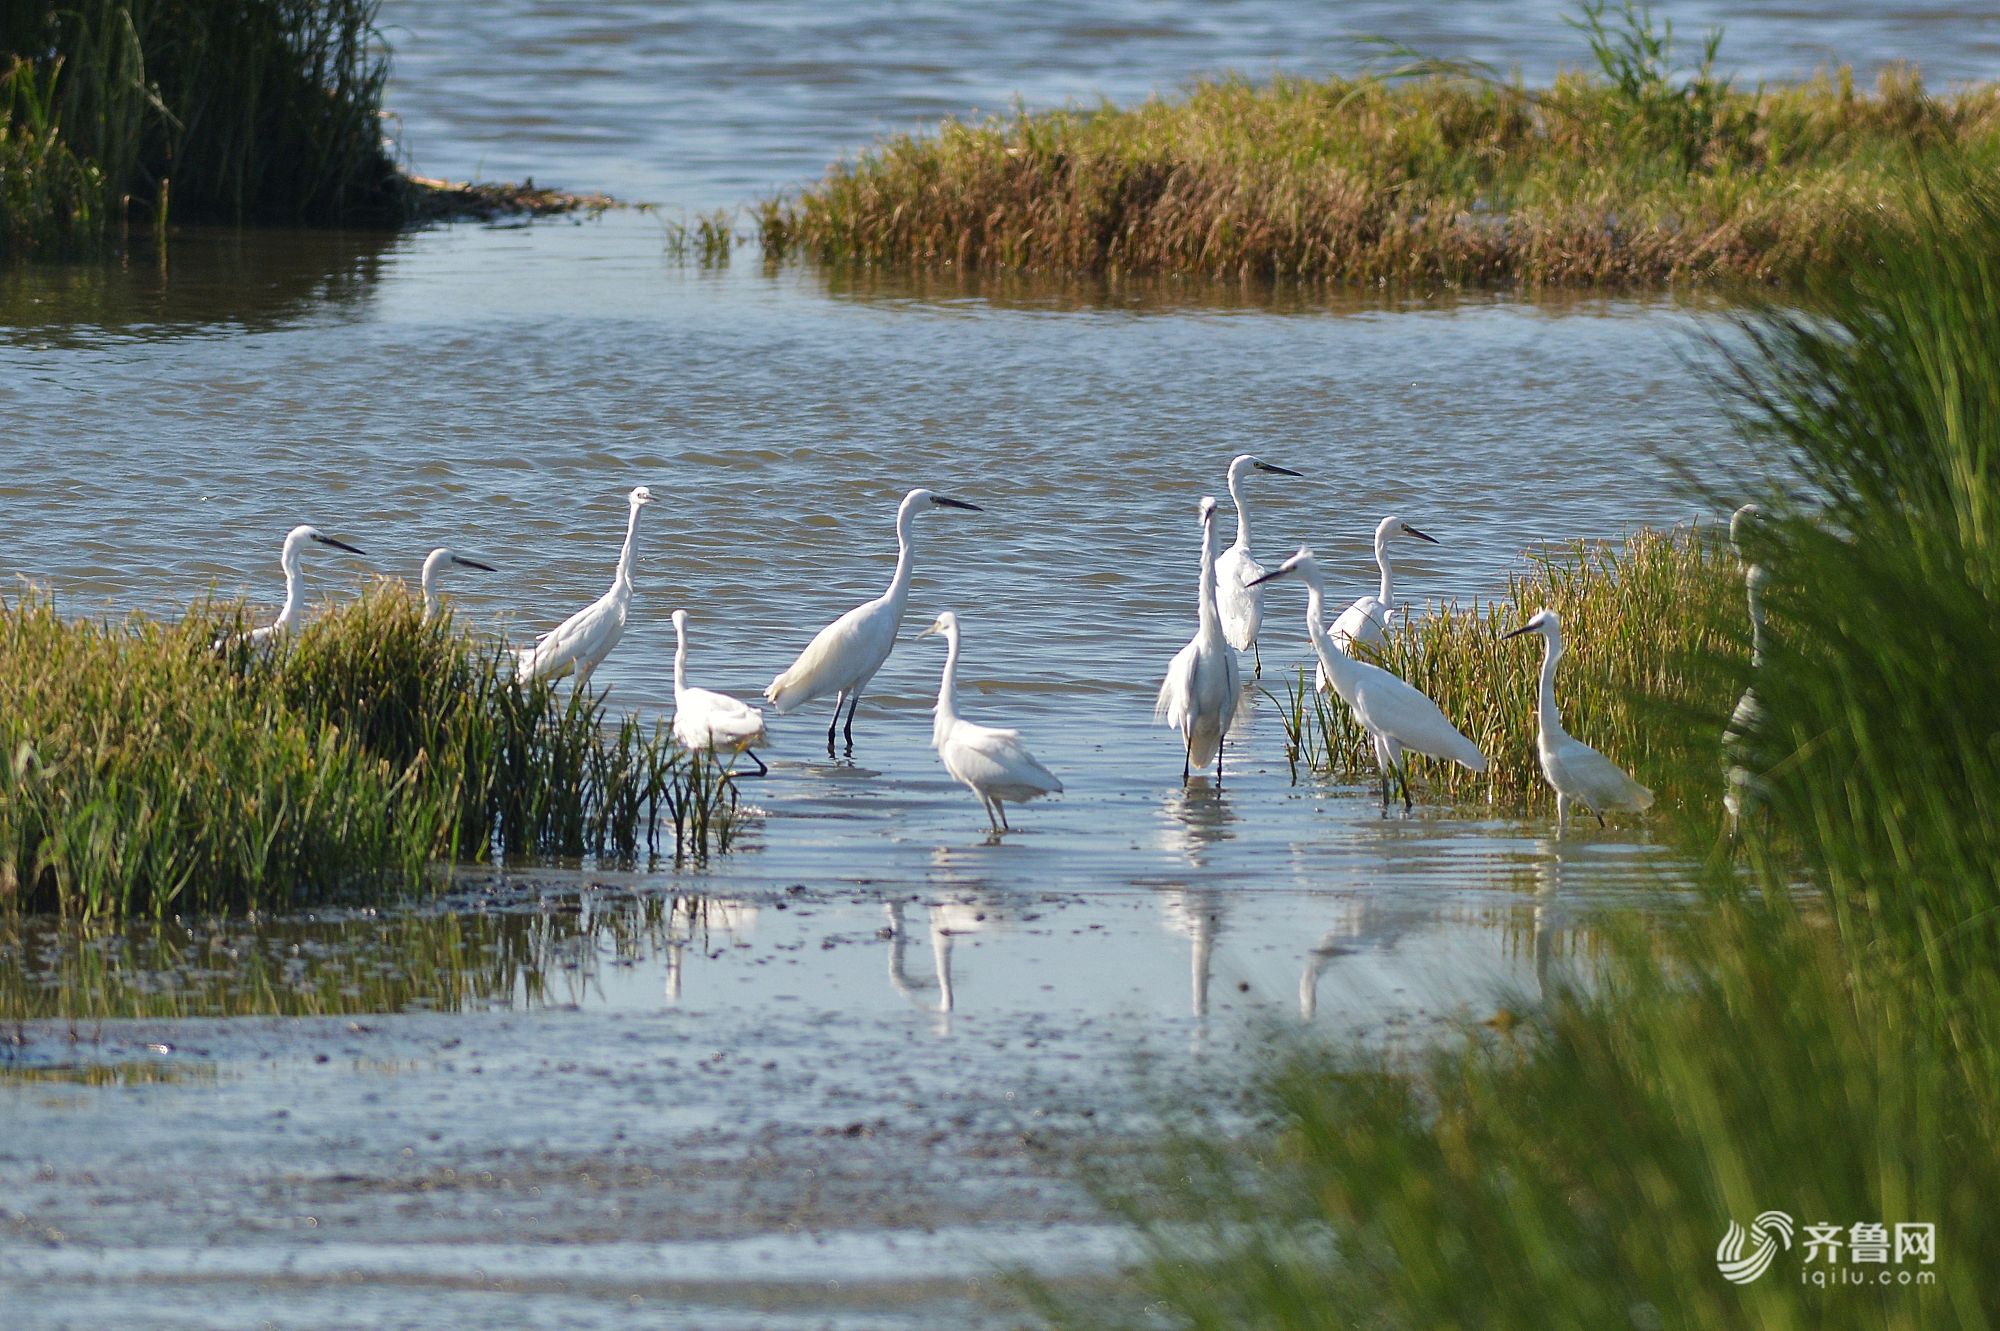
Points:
[[1408, 530], [1525, 628], [1275, 469], [956, 503], [1274, 573], [338, 545], [473, 563]]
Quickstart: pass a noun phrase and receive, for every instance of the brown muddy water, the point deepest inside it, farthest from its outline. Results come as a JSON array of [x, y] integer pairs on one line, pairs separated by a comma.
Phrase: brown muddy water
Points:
[[835, 1077]]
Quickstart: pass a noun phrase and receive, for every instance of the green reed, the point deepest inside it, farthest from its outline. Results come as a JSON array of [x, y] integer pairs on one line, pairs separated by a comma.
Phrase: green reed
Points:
[[1428, 173], [147, 770], [254, 110], [1634, 615], [1822, 1039]]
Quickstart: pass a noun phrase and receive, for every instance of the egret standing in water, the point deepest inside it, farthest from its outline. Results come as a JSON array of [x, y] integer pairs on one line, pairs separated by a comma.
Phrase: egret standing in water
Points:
[[992, 764], [295, 581], [1204, 681], [1743, 787], [710, 722], [845, 654], [1396, 715], [581, 642], [435, 564], [1366, 622], [1240, 602], [1577, 771]]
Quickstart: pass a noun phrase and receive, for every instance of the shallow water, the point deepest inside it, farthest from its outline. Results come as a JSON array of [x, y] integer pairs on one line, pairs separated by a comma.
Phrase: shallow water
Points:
[[558, 1092]]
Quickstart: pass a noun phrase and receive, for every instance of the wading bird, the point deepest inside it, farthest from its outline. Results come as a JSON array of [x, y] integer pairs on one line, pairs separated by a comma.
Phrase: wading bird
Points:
[[295, 581], [992, 764], [1204, 680], [845, 654], [434, 564], [581, 642], [1577, 771], [1241, 603], [1744, 788], [1366, 622], [1395, 715], [709, 722]]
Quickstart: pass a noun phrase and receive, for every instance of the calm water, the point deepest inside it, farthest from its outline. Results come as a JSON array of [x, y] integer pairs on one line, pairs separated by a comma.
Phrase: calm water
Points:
[[838, 1054]]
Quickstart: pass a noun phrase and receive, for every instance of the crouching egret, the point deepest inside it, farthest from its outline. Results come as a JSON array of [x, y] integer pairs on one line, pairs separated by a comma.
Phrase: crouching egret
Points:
[[1395, 715], [845, 655], [434, 564], [992, 764], [295, 581], [1241, 604], [709, 722], [581, 642], [1365, 623], [1204, 680], [1577, 771]]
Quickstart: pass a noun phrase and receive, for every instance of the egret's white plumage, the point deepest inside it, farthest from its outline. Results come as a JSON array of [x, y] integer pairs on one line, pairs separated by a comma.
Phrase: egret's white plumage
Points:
[[1396, 715], [993, 764], [1204, 681], [1577, 771], [1743, 787], [844, 656], [1365, 623], [709, 722], [580, 643], [1241, 604], [434, 564], [295, 581]]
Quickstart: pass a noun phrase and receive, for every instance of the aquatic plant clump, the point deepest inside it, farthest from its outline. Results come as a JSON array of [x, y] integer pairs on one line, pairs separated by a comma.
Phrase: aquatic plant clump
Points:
[[149, 771], [1645, 622], [1431, 175]]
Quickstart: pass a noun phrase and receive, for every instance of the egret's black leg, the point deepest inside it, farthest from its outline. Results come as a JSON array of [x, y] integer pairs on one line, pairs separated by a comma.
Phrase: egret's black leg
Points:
[[1600, 818], [761, 769], [1403, 779], [1187, 756], [1257, 655], [1218, 767], [834, 724], [848, 729]]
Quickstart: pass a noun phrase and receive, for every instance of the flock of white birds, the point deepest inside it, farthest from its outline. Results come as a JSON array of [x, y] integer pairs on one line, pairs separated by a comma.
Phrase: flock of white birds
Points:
[[1199, 697]]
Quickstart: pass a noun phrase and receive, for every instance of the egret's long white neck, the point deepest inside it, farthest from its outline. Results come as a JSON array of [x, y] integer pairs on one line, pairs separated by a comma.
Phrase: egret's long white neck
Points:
[[1753, 586], [1338, 665], [295, 587], [1211, 621], [899, 585], [431, 566], [628, 555], [1388, 596], [947, 703], [1242, 512], [680, 662], [1551, 719]]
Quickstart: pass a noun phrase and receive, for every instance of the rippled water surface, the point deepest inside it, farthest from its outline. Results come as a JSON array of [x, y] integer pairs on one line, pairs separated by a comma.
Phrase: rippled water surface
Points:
[[840, 1053]]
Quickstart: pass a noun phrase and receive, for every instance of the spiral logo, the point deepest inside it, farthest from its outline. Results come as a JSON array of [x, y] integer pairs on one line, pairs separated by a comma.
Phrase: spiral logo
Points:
[[1768, 1232]]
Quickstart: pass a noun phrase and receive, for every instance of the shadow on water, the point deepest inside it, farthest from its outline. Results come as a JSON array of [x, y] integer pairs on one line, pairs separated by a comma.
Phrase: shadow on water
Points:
[[213, 281]]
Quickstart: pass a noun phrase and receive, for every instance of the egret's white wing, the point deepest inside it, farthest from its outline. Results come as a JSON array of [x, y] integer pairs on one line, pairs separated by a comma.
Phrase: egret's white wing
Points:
[[1240, 605], [704, 719], [1583, 773], [1364, 623], [995, 762], [584, 638], [844, 654], [1176, 700], [1392, 707]]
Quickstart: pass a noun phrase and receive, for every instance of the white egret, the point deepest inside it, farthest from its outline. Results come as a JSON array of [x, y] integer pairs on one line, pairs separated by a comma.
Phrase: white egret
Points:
[[581, 642], [1744, 787], [1577, 771], [1204, 681], [434, 564], [1366, 622], [845, 655], [1241, 604], [992, 764], [709, 722], [295, 581], [1396, 715]]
